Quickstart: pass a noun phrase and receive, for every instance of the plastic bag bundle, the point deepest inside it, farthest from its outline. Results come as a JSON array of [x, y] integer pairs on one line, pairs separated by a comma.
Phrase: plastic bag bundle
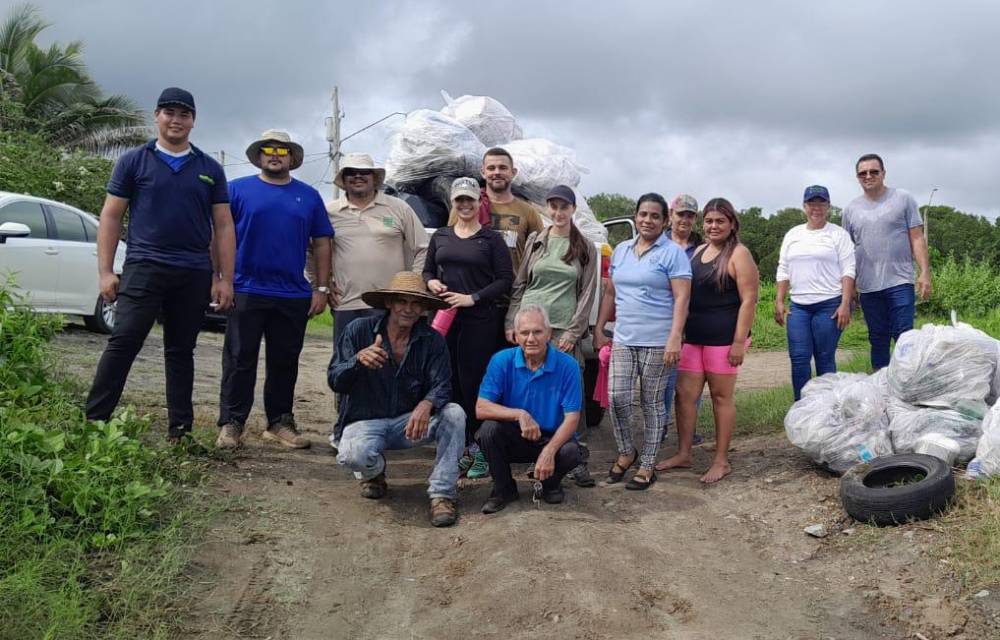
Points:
[[987, 460], [542, 164], [911, 426], [487, 118], [841, 425], [828, 382], [430, 144], [941, 366]]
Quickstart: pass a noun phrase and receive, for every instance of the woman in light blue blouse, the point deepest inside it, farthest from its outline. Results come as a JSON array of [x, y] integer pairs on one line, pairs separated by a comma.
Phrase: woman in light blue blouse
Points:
[[648, 293]]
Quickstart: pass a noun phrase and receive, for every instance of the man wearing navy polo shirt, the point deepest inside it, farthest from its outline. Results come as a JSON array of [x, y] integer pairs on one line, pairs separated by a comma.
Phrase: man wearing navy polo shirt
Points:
[[530, 401], [276, 218], [179, 257]]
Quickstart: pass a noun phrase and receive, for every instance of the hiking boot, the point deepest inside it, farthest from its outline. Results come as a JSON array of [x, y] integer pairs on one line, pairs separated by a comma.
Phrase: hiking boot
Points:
[[285, 432], [465, 463], [375, 488], [229, 436], [444, 512], [479, 468], [581, 476]]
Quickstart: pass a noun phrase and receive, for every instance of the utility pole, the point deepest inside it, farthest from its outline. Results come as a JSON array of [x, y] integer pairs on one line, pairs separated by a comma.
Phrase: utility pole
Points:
[[927, 213], [222, 157], [333, 137]]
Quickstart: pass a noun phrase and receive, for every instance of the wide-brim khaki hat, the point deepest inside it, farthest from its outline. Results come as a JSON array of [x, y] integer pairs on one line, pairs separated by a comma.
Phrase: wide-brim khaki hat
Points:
[[404, 283], [358, 161], [274, 135]]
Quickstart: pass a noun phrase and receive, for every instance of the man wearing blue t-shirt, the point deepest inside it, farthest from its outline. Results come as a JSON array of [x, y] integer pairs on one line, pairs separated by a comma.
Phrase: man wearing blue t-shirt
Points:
[[179, 257], [529, 401], [276, 218]]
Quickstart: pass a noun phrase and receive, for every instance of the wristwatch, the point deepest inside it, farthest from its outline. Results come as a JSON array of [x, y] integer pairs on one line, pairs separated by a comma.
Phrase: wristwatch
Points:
[[325, 290]]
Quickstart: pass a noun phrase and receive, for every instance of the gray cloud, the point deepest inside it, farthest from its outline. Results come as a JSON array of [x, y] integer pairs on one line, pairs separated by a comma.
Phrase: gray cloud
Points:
[[748, 100]]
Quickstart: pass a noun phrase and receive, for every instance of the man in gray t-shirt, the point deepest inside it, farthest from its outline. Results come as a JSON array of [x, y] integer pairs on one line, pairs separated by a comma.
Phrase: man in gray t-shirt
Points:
[[887, 231]]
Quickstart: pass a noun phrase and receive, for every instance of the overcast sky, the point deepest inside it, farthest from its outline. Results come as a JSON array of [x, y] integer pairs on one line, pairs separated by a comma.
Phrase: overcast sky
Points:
[[747, 100]]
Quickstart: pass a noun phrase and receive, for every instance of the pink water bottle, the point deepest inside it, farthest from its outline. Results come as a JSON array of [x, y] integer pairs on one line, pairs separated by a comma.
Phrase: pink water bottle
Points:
[[443, 319]]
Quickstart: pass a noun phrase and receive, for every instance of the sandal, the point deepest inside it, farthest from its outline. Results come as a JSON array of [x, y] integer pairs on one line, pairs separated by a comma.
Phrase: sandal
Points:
[[614, 477], [638, 484]]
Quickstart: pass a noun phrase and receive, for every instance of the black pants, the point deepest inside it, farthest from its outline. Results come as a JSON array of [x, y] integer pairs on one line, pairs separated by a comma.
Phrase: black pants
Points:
[[146, 289], [503, 444], [282, 324], [471, 343]]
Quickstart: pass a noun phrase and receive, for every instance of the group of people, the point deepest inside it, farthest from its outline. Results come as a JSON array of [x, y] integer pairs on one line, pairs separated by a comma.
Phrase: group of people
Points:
[[471, 338]]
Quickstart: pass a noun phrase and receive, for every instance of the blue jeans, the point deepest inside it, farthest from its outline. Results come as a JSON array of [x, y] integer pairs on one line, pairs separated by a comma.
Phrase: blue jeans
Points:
[[362, 443], [812, 334], [888, 314]]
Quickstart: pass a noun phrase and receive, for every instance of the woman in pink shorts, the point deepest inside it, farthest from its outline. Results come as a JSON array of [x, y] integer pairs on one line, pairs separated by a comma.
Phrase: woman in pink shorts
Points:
[[724, 287]]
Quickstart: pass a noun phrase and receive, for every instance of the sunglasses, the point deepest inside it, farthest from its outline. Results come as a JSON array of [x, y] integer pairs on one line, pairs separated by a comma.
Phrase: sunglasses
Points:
[[363, 173], [275, 151], [870, 172]]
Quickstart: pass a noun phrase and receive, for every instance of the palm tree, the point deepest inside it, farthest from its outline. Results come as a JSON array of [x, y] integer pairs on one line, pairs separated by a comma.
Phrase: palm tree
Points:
[[55, 94]]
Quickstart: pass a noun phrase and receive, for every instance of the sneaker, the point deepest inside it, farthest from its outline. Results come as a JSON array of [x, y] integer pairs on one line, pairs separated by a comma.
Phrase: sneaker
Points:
[[581, 476], [444, 512], [375, 488], [479, 468], [285, 432], [229, 436], [464, 464]]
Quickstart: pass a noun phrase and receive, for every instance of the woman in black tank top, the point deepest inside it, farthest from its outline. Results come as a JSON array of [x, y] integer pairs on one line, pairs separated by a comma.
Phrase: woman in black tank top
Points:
[[724, 288]]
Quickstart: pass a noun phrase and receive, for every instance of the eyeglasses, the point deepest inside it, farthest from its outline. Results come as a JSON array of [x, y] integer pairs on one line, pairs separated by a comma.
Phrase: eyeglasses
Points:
[[871, 172], [363, 173], [274, 151]]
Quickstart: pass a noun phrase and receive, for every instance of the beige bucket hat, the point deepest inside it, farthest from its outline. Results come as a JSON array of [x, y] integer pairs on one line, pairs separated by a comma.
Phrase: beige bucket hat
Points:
[[406, 283], [274, 135], [358, 161]]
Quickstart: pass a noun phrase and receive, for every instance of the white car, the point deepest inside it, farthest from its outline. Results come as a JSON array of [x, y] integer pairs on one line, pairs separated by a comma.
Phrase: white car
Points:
[[51, 249]]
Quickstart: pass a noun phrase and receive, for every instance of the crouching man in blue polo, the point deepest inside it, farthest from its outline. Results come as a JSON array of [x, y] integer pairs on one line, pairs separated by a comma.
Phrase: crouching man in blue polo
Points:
[[530, 402], [394, 374]]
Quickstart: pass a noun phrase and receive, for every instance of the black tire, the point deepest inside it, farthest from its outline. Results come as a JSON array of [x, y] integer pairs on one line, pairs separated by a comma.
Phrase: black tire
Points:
[[593, 411], [105, 315], [894, 489]]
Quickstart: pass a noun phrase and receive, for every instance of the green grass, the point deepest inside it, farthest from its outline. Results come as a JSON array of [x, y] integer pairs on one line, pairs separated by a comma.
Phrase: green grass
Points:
[[972, 526], [94, 531]]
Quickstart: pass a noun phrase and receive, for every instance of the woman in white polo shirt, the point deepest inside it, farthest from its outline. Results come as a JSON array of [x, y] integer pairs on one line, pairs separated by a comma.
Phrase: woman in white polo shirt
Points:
[[816, 263]]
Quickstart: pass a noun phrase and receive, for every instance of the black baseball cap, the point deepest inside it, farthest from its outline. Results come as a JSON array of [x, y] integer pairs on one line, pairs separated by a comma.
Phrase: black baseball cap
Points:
[[176, 97], [562, 192]]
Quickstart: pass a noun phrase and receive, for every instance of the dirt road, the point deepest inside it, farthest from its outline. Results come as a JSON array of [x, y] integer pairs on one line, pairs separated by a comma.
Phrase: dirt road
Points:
[[301, 555]]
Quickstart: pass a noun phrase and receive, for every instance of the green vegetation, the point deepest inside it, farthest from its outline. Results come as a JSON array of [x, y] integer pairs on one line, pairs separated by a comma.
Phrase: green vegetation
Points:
[[91, 534], [50, 92], [29, 164]]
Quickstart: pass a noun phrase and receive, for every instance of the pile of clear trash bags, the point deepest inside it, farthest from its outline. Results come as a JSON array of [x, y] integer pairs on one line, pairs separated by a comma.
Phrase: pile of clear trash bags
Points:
[[934, 398], [434, 147]]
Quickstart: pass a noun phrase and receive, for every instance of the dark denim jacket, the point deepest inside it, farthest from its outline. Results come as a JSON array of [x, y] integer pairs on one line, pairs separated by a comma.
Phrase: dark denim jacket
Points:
[[396, 388]]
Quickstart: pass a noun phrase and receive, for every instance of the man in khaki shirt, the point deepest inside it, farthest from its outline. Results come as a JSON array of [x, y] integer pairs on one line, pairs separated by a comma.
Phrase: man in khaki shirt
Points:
[[376, 236], [515, 219]]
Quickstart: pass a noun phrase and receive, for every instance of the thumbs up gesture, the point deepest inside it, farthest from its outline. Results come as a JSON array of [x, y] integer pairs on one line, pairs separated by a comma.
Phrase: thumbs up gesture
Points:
[[374, 356]]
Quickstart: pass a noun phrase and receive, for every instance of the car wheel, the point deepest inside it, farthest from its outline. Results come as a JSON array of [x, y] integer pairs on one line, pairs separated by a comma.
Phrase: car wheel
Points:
[[593, 410], [103, 320], [894, 489]]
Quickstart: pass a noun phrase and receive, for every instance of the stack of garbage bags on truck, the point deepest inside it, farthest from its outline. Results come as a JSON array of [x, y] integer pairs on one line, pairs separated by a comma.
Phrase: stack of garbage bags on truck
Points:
[[432, 148], [938, 396]]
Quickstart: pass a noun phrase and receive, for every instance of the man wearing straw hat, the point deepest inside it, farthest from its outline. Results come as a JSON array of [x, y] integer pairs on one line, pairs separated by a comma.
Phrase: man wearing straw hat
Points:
[[277, 218], [378, 235], [393, 375]]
